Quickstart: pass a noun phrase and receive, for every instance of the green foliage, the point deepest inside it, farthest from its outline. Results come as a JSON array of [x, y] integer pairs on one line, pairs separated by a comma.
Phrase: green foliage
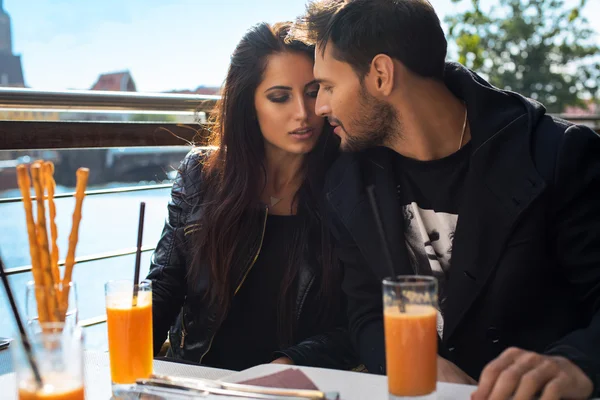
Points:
[[539, 48]]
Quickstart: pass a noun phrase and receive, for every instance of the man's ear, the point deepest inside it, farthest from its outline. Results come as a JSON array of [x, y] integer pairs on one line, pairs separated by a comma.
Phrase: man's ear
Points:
[[381, 74]]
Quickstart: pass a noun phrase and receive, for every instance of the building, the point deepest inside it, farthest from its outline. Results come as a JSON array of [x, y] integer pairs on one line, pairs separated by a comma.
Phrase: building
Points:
[[116, 82], [121, 81], [11, 74], [11, 71]]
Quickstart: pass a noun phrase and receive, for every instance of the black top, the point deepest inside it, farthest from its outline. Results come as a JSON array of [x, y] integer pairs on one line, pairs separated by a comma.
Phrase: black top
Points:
[[433, 185], [248, 336], [430, 193]]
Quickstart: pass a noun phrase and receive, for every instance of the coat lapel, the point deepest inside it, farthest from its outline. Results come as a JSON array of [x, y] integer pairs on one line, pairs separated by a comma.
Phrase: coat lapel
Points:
[[501, 184], [380, 169], [374, 168]]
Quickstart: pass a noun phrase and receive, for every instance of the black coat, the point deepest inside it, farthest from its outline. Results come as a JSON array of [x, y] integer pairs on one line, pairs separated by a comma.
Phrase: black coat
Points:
[[189, 318], [525, 269]]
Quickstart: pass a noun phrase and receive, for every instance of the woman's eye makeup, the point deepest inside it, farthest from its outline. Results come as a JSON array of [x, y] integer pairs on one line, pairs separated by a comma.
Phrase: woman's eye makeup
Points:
[[283, 96], [278, 97]]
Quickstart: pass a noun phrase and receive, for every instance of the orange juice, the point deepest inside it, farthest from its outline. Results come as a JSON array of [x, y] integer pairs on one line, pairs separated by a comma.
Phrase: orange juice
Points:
[[129, 337], [411, 350], [59, 389]]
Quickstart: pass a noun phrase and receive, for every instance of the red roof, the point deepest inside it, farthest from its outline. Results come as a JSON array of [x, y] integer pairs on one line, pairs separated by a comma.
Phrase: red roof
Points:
[[116, 81]]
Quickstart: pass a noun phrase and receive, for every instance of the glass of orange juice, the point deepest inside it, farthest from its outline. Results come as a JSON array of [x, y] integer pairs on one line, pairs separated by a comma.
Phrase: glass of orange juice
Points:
[[58, 351], [410, 323], [129, 323]]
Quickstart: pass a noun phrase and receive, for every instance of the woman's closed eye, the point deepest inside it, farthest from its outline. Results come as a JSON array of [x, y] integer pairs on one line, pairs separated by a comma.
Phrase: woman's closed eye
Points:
[[283, 97], [279, 97]]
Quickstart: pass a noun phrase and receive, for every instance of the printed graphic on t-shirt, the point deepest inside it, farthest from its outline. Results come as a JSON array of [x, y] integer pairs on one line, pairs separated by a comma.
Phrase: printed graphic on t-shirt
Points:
[[429, 237]]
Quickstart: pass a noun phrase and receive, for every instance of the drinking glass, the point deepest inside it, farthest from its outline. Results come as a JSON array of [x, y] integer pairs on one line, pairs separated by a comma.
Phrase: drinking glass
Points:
[[57, 349], [410, 322], [35, 293], [129, 323]]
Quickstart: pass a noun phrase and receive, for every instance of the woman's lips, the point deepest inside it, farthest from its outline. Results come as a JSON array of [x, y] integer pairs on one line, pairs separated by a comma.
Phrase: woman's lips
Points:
[[302, 134]]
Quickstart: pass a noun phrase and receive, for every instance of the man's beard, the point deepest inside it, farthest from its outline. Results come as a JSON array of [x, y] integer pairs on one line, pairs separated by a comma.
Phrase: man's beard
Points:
[[375, 123]]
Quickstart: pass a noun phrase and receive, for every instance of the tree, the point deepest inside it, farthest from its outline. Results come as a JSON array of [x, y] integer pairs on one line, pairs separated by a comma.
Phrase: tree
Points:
[[539, 48]]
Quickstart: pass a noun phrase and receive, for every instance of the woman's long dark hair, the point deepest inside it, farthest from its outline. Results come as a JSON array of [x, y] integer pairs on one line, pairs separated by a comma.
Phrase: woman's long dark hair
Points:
[[232, 175]]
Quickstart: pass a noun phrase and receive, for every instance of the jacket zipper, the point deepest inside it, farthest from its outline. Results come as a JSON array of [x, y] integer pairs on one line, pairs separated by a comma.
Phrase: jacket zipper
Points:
[[310, 284], [183, 333], [257, 252]]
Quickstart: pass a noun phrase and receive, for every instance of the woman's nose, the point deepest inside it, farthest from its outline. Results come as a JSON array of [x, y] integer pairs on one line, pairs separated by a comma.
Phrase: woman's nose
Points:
[[301, 111]]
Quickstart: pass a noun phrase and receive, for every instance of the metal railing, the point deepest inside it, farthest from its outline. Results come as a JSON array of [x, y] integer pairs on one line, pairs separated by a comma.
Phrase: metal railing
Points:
[[28, 135], [95, 192], [94, 257], [101, 100], [33, 135], [38, 135]]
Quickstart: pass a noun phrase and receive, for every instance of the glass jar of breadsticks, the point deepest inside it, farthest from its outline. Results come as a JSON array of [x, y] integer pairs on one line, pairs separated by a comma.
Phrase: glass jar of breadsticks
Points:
[[36, 291], [52, 290]]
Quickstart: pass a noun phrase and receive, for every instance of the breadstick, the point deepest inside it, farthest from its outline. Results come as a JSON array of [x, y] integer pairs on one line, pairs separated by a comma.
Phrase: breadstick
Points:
[[50, 184], [25, 187], [82, 178], [42, 239]]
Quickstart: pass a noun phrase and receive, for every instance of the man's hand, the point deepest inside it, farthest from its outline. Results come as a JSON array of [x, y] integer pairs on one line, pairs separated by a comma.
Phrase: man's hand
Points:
[[283, 360], [524, 374], [449, 372]]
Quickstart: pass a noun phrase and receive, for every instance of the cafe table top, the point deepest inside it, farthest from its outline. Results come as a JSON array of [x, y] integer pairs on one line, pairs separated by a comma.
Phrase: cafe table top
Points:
[[350, 385]]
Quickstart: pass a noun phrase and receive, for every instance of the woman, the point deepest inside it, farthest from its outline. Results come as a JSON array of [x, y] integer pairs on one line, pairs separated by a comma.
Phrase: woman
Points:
[[244, 273]]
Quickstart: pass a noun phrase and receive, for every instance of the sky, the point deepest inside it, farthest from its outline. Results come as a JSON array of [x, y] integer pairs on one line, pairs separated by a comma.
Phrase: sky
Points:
[[166, 45]]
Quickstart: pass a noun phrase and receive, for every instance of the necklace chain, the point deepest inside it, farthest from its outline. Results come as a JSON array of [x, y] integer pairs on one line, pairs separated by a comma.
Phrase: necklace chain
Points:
[[464, 128]]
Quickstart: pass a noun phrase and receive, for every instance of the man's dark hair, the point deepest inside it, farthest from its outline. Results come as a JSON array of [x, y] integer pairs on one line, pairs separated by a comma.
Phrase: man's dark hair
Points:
[[407, 30]]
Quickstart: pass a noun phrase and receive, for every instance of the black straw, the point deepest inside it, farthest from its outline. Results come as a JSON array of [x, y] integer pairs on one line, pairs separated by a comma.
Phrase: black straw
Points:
[[384, 243], [24, 337], [138, 253]]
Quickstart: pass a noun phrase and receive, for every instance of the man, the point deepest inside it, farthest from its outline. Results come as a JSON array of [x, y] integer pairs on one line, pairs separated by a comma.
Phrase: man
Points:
[[477, 186]]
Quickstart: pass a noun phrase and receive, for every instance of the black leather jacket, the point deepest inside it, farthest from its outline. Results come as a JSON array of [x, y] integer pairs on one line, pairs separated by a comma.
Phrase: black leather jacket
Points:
[[191, 322]]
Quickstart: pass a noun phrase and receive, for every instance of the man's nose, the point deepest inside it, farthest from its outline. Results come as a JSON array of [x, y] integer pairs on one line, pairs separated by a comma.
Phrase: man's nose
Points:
[[322, 108]]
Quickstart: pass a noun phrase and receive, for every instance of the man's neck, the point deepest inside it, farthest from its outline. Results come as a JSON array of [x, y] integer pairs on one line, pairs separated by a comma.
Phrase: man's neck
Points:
[[432, 121]]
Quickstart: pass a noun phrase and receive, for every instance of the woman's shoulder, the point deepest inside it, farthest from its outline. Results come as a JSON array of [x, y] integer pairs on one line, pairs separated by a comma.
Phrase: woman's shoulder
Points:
[[196, 157], [188, 182]]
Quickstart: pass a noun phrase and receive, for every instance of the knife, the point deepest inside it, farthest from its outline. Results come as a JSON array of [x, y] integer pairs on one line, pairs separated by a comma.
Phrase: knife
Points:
[[235, 389]]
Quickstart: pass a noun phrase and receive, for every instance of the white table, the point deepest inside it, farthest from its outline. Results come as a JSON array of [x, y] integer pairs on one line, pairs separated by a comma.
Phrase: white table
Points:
[[97, 374], [350, 385]]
